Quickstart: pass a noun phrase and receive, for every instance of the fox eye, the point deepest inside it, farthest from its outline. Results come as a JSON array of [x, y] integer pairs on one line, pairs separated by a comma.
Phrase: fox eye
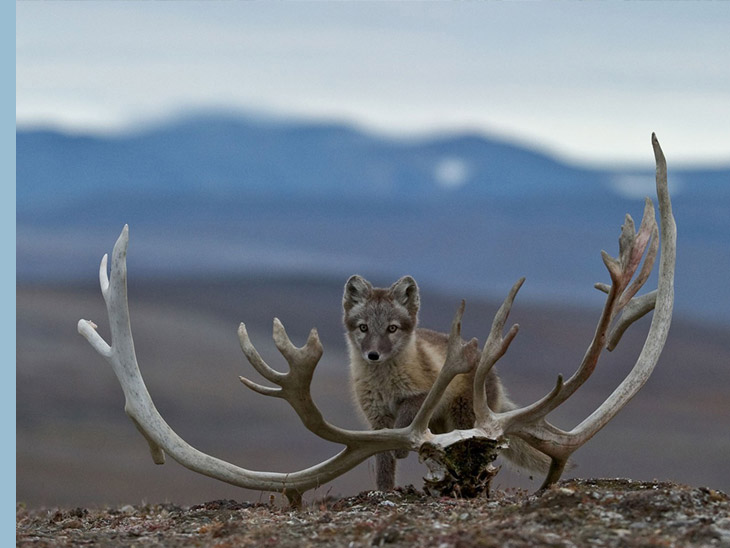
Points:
[[392, 328], [363, 327]]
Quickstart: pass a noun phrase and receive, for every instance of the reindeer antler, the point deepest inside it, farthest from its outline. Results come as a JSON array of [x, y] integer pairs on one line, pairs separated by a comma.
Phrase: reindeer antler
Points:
[[294, 387], [621, 309], [529, 423]]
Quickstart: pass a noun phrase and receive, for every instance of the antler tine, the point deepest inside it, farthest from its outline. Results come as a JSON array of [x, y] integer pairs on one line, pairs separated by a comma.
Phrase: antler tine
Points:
[[261, 389], [496, 345], [647, 236], [87, 329], [103, 276], [631, 307], [614, 268], [635, 309], [255, 359], [302, 360], [460, 358], [457, 360], [626, 242], [494, 348]]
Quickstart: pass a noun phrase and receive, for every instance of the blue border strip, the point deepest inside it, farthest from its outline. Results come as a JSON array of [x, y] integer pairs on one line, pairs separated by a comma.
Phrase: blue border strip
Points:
[[7, 239]]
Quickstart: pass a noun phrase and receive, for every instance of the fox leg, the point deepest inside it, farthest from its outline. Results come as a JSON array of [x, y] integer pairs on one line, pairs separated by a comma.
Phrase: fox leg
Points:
[[385, 471], [407, 410], [384, 462]]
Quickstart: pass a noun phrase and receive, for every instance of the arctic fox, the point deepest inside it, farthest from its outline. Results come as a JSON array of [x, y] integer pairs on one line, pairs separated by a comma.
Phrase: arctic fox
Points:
[[393, 365]]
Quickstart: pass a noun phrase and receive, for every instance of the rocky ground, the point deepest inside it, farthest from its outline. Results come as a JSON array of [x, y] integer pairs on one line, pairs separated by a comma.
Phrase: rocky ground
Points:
[[621, 513]]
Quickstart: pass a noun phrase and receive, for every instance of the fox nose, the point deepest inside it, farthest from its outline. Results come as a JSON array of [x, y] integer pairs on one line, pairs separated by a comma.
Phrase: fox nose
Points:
[[373, 356]]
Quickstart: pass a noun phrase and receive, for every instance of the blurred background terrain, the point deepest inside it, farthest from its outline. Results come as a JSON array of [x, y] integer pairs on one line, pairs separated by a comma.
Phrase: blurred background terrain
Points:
[[284, 245], [243, 210]]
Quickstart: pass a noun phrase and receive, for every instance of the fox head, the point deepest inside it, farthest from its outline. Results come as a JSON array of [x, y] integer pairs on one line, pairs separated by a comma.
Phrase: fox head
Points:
[[380, 322]]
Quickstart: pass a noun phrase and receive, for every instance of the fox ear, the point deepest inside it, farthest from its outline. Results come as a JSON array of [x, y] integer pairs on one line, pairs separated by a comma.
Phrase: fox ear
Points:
[[405, 291], [357, 290]]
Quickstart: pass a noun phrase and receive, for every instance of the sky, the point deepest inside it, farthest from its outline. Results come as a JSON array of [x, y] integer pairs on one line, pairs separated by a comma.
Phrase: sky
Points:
[[588, 82]]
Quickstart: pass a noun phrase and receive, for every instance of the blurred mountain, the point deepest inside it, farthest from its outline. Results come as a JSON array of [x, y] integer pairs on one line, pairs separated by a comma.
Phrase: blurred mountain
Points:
[[233, 158], [216, 195]]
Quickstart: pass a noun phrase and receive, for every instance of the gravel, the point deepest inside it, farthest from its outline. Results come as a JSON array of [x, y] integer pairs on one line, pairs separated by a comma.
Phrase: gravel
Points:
[[597, 512]]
